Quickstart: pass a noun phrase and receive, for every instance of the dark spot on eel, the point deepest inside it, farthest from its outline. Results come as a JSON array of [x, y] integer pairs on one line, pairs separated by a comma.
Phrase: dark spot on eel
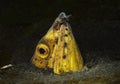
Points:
[[64, 56], [65, 45], [35, 59], [53, 46], [56, 40], [66, 35], [66, 29]]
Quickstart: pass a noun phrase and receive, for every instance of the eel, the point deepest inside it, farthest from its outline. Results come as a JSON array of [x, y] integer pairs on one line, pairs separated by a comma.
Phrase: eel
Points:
[[57, 49]]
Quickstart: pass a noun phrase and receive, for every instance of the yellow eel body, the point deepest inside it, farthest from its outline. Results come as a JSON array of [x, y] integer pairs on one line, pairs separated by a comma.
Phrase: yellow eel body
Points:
[[58, 49]]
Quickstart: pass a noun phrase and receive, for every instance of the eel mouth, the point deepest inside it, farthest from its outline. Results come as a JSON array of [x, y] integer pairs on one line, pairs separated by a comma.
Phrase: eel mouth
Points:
[[62, 19]]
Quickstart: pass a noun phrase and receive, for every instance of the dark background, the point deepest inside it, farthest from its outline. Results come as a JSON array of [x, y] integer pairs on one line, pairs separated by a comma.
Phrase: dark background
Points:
[[95, 25]]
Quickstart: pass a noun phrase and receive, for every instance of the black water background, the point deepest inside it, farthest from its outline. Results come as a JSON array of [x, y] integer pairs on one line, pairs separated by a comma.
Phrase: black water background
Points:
[[95, 25]]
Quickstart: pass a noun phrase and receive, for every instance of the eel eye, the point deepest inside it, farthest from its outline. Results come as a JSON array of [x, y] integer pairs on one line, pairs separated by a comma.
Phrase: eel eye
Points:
[[42, 50]]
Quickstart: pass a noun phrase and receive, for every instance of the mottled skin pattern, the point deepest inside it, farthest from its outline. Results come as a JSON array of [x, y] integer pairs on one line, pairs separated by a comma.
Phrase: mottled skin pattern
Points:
[[58, 49]]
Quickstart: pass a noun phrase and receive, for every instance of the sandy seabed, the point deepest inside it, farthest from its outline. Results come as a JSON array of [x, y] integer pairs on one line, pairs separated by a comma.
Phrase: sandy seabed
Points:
[[102, 73]]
